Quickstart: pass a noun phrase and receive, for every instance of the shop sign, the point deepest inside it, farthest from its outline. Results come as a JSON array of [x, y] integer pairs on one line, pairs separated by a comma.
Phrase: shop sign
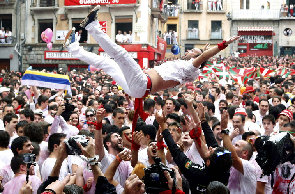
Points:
[[98, 2], [58, 55]]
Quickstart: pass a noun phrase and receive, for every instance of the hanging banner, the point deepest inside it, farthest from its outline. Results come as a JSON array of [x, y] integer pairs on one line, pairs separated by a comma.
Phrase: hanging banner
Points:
[[97, 2]]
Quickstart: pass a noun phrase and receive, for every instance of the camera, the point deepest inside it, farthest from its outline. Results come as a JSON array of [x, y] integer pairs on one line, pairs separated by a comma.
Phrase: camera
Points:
[[72, 146], [29, 158], [273, 151], [154, 178]]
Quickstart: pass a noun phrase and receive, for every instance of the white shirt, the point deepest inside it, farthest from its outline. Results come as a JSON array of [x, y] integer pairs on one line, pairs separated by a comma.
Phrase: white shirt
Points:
[[259, 117], [247, 181], [6, 156], [193, 154], [48, 166], [119, 38]]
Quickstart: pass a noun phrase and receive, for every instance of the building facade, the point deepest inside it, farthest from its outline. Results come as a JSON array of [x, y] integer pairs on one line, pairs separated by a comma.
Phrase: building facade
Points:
[[140, 21]]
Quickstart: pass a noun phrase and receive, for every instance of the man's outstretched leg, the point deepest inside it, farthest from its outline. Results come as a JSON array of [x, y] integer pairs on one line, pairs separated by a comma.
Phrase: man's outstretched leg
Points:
[[136, 79]]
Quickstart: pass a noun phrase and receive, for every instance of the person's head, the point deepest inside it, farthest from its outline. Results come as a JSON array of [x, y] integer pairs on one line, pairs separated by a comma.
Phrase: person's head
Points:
[[249, 136], [285, 117], [73, 189], [55, 141], [268, 122], [47, 92], [149, 133], [210, 108], [114, 89], [236, 100], [20, 127], [34, 132], [18, 102], [169, 105], [21, 145], [4, 139], [38, 115], [42, 102], [263, 106], [26, 114], [276, 100], [219, 164], [105, 89], [244, 149], [217, 187], [216, 128], [175, 130], [149, 105], [289, 127], [172, 117], [8, 109], [222, 105], [113, 141], [126, 134], [18, 165], [152, 149], [239, 121], [119, 117], [74, 119], [193, 53], [90, 115], [10, 121]]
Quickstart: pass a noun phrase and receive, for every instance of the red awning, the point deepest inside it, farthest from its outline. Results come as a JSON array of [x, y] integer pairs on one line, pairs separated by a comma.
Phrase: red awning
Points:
[[252, 28], [99, 2]]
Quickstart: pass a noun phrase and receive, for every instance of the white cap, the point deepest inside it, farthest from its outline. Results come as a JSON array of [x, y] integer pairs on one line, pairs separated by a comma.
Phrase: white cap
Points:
[[4, 89]]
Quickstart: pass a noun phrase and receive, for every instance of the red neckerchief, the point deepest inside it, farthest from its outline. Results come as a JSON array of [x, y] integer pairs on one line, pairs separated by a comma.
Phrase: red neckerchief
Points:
[[196, 135]]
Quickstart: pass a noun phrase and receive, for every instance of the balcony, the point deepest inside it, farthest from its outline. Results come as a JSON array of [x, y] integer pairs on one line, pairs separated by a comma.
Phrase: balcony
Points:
[[192, 33], [158, 11], [259, 14], [7, 2], [172, 10], [44, 5], [10, 41], [216, 35], [193, 7]]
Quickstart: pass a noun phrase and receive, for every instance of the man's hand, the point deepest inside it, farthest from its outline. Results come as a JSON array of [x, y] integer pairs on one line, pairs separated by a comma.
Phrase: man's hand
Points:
[[125, 155], [58, 186], [137, 137], [201, 111], [206, 47], [62, 152], [160, 118], [189, 99], [133, 185], [235, 133], [232, 39], [224, 120], [178, 183], [26, 188], [60, 110], [89, 150], [100, 114]]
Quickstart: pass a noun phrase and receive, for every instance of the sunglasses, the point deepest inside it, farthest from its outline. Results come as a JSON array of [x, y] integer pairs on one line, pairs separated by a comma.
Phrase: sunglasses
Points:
[[90, 115]]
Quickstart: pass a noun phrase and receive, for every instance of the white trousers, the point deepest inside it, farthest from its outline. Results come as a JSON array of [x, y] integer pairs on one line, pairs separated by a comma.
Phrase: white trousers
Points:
[[123, 68]]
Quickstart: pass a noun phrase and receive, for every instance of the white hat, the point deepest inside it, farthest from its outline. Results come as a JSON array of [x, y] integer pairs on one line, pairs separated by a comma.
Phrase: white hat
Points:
[[38, 112], [4, 89]]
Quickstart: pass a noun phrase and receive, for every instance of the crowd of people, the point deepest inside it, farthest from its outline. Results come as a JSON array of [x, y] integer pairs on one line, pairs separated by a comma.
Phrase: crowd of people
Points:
[[191, 136]]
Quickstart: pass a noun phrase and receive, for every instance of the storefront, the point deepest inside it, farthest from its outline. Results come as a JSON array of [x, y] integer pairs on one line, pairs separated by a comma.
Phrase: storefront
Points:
[[144, 54], [256, 41]]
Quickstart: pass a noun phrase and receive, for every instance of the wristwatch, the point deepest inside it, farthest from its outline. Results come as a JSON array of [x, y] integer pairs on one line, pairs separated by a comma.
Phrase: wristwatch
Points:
[[225, 131], [93, 161]]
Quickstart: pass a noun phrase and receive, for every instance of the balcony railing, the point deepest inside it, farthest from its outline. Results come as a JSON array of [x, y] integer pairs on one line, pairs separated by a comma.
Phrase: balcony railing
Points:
[[216, 35], [47, 3], [192, 33], [193, 6], [8, 41], [259, 14]]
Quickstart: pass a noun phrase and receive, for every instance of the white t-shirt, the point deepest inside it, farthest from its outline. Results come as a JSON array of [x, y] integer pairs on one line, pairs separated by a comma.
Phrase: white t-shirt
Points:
[[282, 178], [193, 154], [119, 38], [48, 165], [5, 156], [243, 184], [123, 171]]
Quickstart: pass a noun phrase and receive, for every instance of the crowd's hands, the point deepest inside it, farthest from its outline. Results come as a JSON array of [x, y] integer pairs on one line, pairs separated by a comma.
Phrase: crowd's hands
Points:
[[161, 120], [137, 137], [100, 114], [58, 186], [125, 155], [178, 179], [62, 152], [232, 39], [235, 133], [133, 185], [206, 47], [224, 119], [26, 188], [189, 99], [201, 111], [89, 182], [61, 108], [89, 150]]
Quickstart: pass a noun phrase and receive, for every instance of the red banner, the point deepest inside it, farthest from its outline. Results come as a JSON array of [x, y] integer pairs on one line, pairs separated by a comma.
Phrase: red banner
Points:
[[97, 2], [161, 47]]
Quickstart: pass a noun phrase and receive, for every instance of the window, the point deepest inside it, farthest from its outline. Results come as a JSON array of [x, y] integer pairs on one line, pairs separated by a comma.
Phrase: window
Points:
[[47, 3], [43, 25], [193, 29], [6, 21], [124, 29], [215, 5], [194, 5], [188, 47], [171, 35], [216, 30], [244, 4], [81, 31]]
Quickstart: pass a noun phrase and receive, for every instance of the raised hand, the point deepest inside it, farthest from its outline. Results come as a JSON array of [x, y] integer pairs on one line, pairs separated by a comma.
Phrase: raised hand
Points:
[[201, 111], [137, 137], [125, 155], [26, 188], [89, 150], [224, 119], [189, 99], [160, 118], [232, 39], [133, 185], [100, 114]]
